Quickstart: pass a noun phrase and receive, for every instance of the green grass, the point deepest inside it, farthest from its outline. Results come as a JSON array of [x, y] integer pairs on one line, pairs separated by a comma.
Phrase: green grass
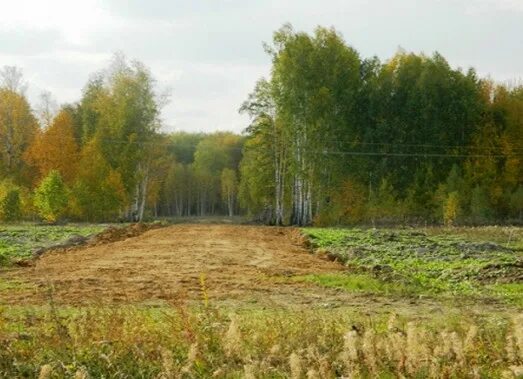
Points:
[[18, 241], [356, 283], [482, 262]]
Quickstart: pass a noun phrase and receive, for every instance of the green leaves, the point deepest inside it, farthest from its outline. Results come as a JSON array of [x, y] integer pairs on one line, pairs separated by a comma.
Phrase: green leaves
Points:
[[51, 197]]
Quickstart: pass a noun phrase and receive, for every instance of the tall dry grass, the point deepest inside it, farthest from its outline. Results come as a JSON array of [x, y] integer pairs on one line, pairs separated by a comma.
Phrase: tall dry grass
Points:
[[203, 342]]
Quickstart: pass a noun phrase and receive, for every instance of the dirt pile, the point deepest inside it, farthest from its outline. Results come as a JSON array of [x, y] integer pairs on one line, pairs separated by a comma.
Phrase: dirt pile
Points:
[[507, 272], [111, 234], [114, 233]]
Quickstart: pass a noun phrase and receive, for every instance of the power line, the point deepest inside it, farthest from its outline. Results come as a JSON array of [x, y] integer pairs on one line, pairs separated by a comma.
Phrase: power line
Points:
[[422, 145], [426, 155], [164, 143], [333, 152]]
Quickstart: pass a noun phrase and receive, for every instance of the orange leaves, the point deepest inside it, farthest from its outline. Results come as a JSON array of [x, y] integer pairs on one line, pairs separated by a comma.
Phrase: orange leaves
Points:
[[55, 149]]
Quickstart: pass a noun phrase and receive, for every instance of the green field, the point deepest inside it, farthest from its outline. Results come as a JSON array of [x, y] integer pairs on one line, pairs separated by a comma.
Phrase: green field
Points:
[[19, 241], [448, 263]]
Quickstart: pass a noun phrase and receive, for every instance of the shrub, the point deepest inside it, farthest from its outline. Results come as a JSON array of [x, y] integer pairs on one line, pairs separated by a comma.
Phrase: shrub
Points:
[[10, 201], [516, 202], [451, 208], [51, 197], [346, 206]]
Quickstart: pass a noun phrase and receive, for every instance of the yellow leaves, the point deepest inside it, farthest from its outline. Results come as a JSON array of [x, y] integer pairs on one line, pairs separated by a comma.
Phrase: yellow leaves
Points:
[[451, 208], [55, 149], [17, 129], [352, 200], [346, 205], [98, 192]]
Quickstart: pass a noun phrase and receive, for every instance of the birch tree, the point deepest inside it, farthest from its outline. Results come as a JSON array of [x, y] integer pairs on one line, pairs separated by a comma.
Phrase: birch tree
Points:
[[18, 127], [125, 109], [268, 144], [229, 184], [306, 108]]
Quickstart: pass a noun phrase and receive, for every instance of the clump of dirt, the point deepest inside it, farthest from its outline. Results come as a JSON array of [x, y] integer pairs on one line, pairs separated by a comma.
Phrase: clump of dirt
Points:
[[113, 233], [299, 238], [480, 247], [506, 272]]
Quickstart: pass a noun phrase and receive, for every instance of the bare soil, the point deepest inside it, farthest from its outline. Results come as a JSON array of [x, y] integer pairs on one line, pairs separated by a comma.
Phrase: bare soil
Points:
[[229, 264]]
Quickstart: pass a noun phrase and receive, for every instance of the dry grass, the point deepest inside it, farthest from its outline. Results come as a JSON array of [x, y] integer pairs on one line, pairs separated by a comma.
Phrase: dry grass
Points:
[[204, 342]]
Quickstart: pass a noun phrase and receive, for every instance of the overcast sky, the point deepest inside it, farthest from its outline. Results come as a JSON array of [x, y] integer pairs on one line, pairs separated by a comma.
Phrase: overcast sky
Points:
[[209, 52]]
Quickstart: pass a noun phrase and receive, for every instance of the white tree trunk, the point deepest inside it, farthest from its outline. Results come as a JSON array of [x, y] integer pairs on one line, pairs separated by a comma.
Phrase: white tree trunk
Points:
[[143, 196]]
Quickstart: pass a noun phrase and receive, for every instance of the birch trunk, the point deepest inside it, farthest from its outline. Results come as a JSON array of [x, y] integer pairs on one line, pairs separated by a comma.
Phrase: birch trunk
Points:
[[143, 197]]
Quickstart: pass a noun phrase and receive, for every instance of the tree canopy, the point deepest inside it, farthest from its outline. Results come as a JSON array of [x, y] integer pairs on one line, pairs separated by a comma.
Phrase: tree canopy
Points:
[[334, 138]]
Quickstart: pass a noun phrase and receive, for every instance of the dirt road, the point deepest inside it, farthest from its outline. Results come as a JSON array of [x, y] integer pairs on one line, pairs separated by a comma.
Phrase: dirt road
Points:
[[236, 263]]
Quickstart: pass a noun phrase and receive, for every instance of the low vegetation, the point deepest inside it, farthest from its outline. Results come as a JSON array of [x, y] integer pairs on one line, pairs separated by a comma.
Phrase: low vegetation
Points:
[[178, 338], [203, 342], [483, 262], [20, 241]]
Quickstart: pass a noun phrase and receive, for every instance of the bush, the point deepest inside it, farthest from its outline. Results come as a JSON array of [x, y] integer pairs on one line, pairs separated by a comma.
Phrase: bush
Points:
[[347, 205], [51, 197], [516, 202], [10, 207], [10, 201], [451, 208]]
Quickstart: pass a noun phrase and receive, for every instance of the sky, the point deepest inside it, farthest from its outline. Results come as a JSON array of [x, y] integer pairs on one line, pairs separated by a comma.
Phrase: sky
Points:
[[208, 53]]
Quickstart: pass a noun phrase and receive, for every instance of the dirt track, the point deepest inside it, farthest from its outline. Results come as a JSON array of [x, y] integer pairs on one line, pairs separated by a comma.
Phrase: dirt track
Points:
[[239, 263]]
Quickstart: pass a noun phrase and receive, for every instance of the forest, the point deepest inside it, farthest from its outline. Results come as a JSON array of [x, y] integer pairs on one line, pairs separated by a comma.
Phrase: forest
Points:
[[334, 138]]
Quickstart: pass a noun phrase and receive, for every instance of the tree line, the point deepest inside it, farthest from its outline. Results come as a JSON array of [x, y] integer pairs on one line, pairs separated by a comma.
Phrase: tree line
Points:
[[104, 157], [337, 138], [334, 138]]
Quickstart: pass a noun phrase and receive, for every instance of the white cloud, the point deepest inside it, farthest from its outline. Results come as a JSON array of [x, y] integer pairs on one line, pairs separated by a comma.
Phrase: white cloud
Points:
[[209, 52], [496, 5], [75, 20]]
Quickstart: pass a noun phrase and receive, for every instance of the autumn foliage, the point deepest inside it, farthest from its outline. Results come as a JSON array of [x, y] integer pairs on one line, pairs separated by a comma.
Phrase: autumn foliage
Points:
[[55, 148], [334, 138]]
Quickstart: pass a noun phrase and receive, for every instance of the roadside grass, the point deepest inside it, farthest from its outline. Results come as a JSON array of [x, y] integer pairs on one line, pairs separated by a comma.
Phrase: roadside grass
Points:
[[18, 241], [202, 341], [356, 283], [446, 262]]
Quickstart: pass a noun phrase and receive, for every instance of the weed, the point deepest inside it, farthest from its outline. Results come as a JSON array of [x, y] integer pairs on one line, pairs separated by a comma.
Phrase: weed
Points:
[[145, 342], [433, 261]]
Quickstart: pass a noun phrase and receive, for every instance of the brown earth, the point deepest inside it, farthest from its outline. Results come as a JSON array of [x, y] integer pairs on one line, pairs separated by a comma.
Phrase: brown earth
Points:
[[230, 264], [235, 262]]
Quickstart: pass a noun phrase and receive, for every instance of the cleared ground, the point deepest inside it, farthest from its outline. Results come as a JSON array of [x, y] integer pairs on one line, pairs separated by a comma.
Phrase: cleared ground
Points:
[[231, 262], [228, 264]]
